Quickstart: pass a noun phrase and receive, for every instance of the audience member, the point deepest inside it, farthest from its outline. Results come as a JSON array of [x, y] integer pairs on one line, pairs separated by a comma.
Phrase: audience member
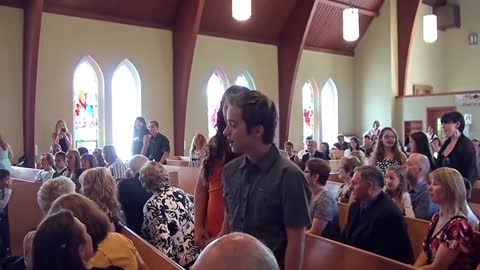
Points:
[[291, 152], [197, 150], [117, 168], [98, 153], [252, 119], [374, 132], [387, 152], [345, 173], [325, 148], [324, 206], [88, 161], [132, 196], [367, 145], [419, 144], [5, 150], [209, 201], [396, 189], [417, 170], [61, 136], [55, 148], [431, 134], [5, 193], [60, 164], [98, 185], [47, 172], [449, 241], [159, 147], [141, 137], [305, 143], [111, 249], [74, 170], [312, 152], [353, 146], [436, 144], [360, 155], [82, 150], [341, 144], [168, 216], [375, 223], [61, 242], [238, 251], [476, 144], [457, 151]]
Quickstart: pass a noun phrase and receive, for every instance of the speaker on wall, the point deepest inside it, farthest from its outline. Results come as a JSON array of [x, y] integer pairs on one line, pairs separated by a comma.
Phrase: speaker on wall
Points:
[[448, 16]]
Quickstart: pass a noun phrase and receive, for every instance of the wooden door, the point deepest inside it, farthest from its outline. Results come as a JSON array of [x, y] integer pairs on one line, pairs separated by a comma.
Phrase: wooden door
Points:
[[433, 119]]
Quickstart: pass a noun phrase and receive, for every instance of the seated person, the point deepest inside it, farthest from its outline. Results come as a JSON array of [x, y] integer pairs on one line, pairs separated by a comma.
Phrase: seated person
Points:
[[312, 152], [367, 145], [238, 251], [55, 148], [288, 146], [5, 193], [345, 173], [168, 216], [449, 241], [324, 206], [396, 189], [304, 150], [341, 144], [117, 168], [375, 223], [60, 164], [47, 168]]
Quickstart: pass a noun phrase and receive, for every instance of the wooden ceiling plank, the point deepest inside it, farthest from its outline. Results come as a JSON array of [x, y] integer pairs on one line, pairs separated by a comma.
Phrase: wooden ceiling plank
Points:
[[32, 21], [407, 11], [184, 40], [291, 44], [338, 4]]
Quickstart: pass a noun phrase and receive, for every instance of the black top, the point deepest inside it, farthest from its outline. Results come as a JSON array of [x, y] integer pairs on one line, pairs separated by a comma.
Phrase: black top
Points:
[[378, 227], [159, 144], [317, 154], [137, 143], [132, 197], [63, 144], [343, 146], [462, 158]]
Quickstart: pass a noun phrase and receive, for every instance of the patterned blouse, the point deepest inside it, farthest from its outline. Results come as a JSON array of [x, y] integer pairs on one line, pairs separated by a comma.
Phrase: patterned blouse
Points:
[[387, 163], [168, 225], [457, 235]]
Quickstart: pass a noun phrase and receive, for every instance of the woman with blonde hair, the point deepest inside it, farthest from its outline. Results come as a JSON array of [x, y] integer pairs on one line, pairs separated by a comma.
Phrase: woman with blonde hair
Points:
[[449, 241], [197, 151], [61, 136], [168, 216], [98, 185]]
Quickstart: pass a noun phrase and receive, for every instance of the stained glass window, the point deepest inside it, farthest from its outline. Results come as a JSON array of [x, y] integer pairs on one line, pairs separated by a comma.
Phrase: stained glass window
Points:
[[329, 98], [246, 80], [308, 97], [215, 89], [126, 106], [85, 103]]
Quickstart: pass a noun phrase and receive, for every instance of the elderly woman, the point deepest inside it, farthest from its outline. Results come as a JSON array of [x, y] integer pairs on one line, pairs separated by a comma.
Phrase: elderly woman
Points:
[[449, 241], [168, 216], [98, 185]]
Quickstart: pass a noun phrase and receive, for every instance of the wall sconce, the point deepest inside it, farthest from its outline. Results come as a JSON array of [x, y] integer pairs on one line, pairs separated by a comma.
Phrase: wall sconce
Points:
[[473, 39]]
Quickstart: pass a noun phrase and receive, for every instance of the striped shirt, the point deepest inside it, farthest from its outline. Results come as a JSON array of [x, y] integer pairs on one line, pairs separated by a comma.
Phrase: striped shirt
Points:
[[118, 169]]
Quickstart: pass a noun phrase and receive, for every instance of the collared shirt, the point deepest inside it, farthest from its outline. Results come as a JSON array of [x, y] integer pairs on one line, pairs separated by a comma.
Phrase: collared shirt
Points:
[[364, 206], [118, 169], [423, 207], [158, 145], [265, 198]]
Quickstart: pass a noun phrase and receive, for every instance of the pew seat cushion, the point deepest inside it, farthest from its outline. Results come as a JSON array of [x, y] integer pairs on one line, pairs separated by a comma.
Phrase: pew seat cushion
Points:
[[115, 250]]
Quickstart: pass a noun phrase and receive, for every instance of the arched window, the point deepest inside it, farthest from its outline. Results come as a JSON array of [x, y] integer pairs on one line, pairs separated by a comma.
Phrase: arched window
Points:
[[308, 103], [87, 82], [245, 79], [215, 89], [126, 106], [329, 98]]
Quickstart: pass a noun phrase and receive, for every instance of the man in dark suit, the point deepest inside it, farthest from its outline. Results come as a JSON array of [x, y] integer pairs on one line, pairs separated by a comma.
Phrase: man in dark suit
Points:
[[312, 152], [375, 223]]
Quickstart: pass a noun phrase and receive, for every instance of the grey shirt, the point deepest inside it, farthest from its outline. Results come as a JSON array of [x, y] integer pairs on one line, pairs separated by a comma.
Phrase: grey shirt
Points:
[[265, 198], [422, 204], [325, 207]]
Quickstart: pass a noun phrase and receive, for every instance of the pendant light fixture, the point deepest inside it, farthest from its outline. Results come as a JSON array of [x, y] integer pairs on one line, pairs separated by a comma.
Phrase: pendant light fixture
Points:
[[351, 28], [241, 9], [430, 28]]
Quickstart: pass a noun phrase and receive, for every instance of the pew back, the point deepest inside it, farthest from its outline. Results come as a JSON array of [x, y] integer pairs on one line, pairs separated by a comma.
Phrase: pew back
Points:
[[322, 253], [337, 154], [152, 257], [24, 214], [343, 209], [417, 231], [177, 162], [334, 165], [334, 177], [187, 177], [24, 173]]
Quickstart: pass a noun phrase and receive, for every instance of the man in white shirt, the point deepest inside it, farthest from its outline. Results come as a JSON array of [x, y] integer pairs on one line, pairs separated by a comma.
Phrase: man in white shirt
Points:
[[114, 164]]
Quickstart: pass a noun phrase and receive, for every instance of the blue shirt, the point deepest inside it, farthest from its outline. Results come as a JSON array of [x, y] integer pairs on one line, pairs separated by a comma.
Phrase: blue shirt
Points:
[[422, 204]]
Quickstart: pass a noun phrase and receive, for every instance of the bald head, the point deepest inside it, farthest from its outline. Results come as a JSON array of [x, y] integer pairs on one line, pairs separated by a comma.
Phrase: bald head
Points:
[[417, 167], [236, 251]]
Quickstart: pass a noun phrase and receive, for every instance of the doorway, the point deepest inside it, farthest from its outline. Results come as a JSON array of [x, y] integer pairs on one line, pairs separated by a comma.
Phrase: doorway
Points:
[[434, 115]]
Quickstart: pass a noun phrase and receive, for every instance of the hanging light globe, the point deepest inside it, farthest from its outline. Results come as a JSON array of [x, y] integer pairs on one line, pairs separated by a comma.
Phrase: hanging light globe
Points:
[[351, 25], [241, 9]]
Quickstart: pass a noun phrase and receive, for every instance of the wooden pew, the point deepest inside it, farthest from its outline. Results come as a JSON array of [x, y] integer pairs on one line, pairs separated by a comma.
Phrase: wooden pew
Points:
[[24, 214], [24, 173], [177, 162], [322, 253], [343, 209], [338, 154], [417, 231], [187, 177], [334, 177], [334, 165], [152, 257]]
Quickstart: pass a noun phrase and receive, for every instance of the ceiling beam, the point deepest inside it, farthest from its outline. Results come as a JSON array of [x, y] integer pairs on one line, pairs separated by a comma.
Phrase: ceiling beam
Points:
[[291, 44], [342, 5], [32, 21], [184, 40], [407, 11]]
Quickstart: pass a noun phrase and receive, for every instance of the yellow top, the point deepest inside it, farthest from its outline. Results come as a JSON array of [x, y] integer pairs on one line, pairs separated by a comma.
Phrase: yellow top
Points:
[[115, 250]]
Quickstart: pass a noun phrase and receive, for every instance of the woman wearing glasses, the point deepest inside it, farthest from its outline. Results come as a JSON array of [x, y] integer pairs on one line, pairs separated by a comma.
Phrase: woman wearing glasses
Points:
[[387, 152]]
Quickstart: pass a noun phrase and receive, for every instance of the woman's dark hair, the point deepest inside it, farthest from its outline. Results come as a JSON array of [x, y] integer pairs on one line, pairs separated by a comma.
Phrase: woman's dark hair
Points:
[[56, 243], [357, 141], [379, 152], [327, 152], [422, 146], [91, 159], [82, 151], [143, 130], [217, 147], [453, 117], [319, 167]]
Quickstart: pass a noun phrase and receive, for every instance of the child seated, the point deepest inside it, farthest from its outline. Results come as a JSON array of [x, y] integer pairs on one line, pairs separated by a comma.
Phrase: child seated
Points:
[[396, 189]]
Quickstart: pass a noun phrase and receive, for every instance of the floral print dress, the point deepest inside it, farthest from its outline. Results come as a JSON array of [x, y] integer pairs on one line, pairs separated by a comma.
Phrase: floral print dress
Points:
[[456, 234]]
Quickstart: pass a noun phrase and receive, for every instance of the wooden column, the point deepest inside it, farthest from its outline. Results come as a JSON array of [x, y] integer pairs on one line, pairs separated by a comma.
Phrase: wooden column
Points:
[[406, 13], [292, 42], [184, 40], [32, 22]]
